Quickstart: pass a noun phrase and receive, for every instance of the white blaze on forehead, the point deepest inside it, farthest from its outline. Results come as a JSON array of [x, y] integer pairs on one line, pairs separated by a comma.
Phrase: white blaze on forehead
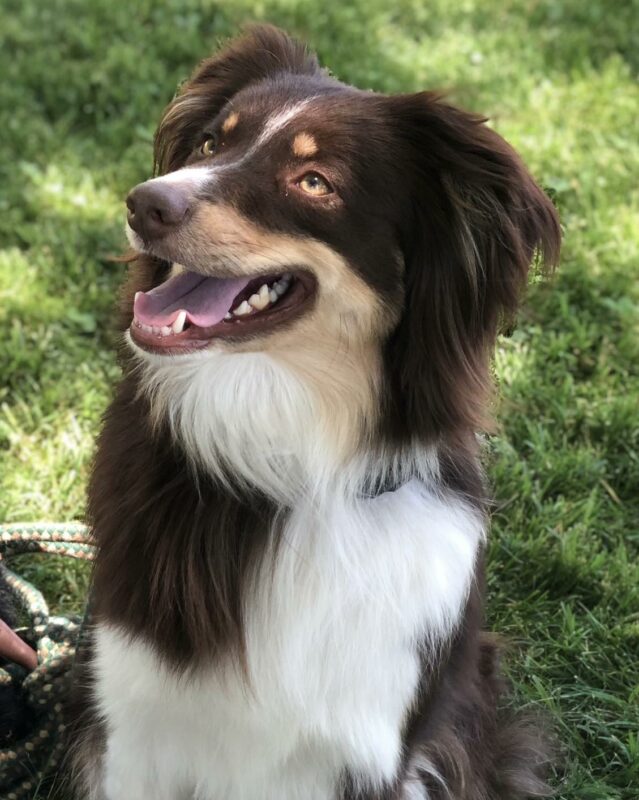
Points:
[[272, 125], [280, 120]]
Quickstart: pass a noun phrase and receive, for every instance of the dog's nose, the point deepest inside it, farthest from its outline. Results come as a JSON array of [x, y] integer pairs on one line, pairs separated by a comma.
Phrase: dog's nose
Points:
[[155, 208]]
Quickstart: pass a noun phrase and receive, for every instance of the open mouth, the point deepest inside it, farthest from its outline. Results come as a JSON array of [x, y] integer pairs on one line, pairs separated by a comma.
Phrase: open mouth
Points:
[[189, 310]]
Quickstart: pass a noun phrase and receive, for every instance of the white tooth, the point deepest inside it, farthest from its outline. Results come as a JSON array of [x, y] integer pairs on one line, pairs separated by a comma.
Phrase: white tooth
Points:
[[242, 309], [260, 300], [280, 287], [165, 330], [228, 316], [178, 322], [274, 296], [137, 294]]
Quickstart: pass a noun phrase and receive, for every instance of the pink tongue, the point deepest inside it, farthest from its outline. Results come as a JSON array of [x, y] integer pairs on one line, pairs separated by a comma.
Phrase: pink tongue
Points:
[[205, 300]]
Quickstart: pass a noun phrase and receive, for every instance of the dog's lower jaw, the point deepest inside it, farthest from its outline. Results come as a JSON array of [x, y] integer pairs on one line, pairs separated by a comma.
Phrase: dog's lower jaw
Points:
[[336, 638]]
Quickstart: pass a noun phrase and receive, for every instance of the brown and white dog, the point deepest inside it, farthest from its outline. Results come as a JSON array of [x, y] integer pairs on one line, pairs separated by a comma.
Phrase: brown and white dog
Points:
[[287, 495]]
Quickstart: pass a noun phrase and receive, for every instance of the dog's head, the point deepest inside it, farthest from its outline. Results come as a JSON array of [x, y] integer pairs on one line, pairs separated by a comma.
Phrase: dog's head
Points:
[[368, 245]]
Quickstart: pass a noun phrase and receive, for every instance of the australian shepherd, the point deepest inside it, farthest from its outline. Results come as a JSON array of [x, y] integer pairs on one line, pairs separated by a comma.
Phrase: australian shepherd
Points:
[[287, 497]]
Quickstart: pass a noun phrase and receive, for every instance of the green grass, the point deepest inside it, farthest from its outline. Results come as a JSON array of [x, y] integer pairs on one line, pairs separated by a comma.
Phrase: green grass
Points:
[[83, 86]]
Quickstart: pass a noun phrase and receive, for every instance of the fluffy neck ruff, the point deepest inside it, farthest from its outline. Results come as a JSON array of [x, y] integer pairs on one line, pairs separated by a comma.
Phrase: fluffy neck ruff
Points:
[[212, 462], [250, 420]]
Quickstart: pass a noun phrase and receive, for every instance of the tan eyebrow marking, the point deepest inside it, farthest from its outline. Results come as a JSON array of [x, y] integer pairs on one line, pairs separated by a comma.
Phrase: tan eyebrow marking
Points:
[[230, 122], [304, 145]]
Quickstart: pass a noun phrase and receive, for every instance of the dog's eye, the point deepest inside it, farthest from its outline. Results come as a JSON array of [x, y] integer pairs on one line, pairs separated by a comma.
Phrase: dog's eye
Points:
[[209, 147], [314, 184]]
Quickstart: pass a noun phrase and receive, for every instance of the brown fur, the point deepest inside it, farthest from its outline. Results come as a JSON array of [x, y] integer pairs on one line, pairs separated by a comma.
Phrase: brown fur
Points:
[[418, 262], [182, 592], [477, 223]]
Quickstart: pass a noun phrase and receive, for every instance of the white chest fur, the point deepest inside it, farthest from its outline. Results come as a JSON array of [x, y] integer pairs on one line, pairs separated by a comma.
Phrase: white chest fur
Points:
[[333, 658]]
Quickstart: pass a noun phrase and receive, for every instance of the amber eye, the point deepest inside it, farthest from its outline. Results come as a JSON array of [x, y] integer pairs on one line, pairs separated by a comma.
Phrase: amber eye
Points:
[[209, 147], [314, 184]]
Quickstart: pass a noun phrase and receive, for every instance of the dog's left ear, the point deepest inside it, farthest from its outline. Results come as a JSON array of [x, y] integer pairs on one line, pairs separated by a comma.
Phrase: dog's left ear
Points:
[[475, 221]]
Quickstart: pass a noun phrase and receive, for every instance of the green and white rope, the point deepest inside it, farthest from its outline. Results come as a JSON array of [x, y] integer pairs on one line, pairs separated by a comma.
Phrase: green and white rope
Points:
[[24, 764]]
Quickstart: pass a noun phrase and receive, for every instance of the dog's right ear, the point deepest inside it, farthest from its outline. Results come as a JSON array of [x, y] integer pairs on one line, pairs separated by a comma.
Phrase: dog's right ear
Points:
[[263, 51]]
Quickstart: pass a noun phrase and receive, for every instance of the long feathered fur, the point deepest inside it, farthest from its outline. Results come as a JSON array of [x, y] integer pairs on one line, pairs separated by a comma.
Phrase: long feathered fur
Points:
[[291, 525]]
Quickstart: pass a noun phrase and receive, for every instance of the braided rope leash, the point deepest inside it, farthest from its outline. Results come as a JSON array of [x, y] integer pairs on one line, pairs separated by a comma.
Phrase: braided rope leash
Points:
[[24, 763]]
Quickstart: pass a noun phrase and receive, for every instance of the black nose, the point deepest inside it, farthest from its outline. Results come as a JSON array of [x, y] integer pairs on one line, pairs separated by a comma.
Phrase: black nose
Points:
[[155, 208]]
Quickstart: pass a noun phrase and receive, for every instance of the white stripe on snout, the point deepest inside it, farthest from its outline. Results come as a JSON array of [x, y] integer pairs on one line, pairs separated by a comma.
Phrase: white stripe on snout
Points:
[[186, 176]]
